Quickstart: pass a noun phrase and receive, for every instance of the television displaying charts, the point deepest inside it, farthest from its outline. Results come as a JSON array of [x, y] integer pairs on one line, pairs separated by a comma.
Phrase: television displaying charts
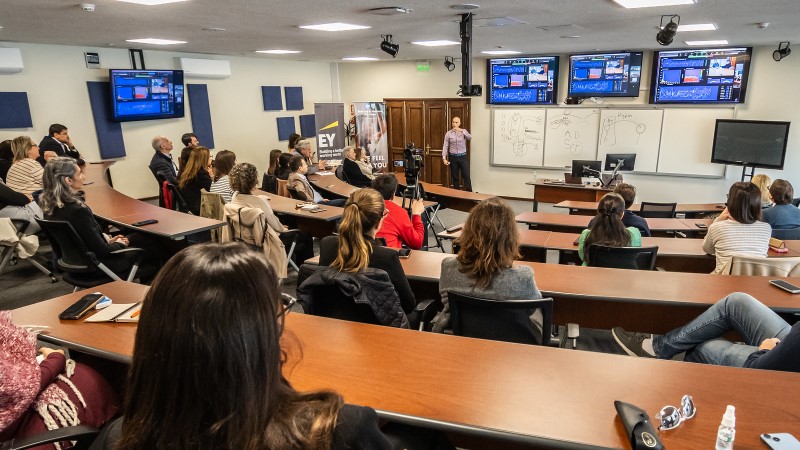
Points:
[[522, 81], [700, 75], [612, 74], [146, 94]]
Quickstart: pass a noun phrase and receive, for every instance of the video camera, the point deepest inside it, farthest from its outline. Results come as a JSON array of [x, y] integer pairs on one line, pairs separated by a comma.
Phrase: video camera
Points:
[[413, 163]]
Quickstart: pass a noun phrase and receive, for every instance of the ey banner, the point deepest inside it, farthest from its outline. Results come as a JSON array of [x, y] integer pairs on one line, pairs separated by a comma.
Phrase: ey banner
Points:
[[371, 126], [329, 119]]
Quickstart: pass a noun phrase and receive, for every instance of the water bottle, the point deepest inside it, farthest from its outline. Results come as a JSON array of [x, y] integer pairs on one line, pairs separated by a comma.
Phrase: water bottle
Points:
[[727, 431], [535, 175]]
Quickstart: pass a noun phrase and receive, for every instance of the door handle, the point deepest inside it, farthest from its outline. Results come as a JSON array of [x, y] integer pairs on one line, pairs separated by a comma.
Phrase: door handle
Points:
[[427, 150]]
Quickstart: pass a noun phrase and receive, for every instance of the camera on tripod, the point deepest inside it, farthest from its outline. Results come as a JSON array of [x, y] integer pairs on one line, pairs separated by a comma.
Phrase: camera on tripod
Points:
[[413, 163]]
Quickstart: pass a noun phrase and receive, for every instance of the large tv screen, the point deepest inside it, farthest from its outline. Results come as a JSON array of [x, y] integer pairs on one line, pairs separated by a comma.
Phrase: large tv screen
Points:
[[700, 76], [529, 80], [615, 74], [146, 94], [752, 143]]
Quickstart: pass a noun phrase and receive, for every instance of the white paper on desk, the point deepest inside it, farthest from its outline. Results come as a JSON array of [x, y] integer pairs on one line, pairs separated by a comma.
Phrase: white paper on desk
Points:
[[118, 312], [324, 173]]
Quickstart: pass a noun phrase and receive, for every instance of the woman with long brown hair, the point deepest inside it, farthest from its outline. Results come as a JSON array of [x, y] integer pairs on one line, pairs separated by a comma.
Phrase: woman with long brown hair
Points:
[[608, 229], [194, 176], [223, 163], [206, 371], [483, 267]]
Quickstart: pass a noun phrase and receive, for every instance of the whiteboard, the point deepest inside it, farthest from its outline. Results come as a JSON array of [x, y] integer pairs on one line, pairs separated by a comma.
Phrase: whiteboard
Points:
[[518, 137], [571, 134], [632, 131], [686, 147]]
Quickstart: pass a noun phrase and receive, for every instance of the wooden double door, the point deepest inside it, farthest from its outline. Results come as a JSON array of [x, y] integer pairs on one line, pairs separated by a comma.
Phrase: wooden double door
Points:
[[425, 122]]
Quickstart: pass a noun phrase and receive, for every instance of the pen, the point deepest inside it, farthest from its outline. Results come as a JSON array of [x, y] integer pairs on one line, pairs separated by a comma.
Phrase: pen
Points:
[[135, 314]]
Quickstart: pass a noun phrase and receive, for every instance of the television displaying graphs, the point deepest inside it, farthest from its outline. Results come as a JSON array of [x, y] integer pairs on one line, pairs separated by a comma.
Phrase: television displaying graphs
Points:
[[146, 94], [522, 80], [700, 75], [613, 74]]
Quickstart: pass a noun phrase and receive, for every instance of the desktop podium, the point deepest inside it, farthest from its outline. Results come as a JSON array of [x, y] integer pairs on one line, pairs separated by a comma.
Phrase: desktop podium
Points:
[[547, 192]]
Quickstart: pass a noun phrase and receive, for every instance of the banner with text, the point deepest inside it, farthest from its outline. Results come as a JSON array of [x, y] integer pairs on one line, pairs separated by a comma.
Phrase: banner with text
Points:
[[371, 126], [329, 118]]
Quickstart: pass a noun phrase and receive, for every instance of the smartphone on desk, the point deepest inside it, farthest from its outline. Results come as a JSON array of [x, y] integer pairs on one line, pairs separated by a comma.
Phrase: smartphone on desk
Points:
[[786, 286], [701, 225], [404, 252], [780, 441]]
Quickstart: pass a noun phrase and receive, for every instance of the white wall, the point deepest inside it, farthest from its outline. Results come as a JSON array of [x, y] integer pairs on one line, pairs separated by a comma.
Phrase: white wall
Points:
[[55, 79], [771, 96]]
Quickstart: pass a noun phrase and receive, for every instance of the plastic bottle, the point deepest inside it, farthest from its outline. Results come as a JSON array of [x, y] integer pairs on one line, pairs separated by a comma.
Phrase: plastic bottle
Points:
[[535, 175], [727, 431]]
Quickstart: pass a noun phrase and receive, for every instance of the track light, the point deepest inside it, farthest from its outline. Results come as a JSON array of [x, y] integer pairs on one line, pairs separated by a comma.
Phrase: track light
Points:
[[449, 64], [668, 31], [781, 53], [389, 47]]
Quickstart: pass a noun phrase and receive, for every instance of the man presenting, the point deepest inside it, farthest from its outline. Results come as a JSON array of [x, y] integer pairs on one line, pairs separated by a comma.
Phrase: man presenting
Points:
[[454, 153], [58, 142]]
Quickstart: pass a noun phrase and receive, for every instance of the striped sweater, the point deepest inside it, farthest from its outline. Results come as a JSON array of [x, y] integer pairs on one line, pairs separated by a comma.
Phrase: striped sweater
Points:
[[25, 177], [729, 237]]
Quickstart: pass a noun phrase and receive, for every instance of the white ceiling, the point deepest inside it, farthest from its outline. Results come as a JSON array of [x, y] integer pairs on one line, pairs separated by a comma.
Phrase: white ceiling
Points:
[[263, 24]]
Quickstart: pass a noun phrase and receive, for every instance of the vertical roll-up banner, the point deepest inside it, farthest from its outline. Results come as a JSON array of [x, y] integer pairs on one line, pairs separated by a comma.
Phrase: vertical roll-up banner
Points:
[[371, 126], [329, 118]]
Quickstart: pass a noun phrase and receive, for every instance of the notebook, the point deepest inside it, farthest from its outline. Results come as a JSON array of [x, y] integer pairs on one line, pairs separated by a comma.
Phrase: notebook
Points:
[[120, 312]]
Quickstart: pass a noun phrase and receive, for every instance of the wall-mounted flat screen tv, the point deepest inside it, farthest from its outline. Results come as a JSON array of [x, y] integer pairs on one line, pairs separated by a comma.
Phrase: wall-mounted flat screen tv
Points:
[[146, 94], [611, 74], [525, 80], [700, 75], [753, 143]]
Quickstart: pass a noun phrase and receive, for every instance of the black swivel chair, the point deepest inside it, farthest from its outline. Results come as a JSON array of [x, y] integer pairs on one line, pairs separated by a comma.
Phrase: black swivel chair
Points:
[[637, 258], [8, 254], [500, 320], [295, 194], [792, 234], [796, 201], [340, 171], [178, 202], [269, 183], [82, 435], [657, 210]]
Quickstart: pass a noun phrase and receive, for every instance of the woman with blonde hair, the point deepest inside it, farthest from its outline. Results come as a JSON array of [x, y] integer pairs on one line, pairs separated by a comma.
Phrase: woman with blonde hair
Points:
[[194, 176], [763, 182], [25, 174], [483, 267]]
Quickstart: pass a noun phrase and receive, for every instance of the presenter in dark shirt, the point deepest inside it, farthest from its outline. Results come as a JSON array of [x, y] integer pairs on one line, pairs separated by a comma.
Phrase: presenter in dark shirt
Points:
[[58, 142], [454, 154]]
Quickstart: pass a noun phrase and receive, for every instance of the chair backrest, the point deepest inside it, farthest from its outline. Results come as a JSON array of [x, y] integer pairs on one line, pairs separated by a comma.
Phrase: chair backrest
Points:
[[283, 189], [251, 230], [331, 302], [499, 320], [212, 206], [768, 267], [178, 202], [297, 195], [791, 234], [72, 253], [638, 258], [657, 210], [340, 171], [796, 201], [269, 183]]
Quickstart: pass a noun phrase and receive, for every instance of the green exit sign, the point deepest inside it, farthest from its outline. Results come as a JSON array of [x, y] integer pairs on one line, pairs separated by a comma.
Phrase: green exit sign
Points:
[[423, 66]]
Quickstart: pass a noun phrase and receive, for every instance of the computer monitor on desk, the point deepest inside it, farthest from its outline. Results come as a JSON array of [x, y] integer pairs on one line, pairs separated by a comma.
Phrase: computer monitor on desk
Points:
[[585, 168], [617, 162]]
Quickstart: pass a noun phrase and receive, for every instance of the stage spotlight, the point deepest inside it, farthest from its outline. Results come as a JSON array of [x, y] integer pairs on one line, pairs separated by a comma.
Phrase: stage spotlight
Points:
[[449, 64], [389, 47], [781, 53], [668, 31]]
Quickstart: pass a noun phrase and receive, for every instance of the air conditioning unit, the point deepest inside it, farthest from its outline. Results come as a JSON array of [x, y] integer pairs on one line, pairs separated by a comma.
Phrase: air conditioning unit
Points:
[[10, 60], [206, 68]]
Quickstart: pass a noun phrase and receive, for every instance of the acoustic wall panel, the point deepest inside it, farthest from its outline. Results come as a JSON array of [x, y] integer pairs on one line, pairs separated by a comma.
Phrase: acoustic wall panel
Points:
[[109, 133], [15, 112], [294, 98], [285, 127], [308, 126], [272, 98], [201, 114]]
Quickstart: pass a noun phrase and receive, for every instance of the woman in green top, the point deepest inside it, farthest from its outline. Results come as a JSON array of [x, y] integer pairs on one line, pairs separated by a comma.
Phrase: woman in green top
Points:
[[608, 228]]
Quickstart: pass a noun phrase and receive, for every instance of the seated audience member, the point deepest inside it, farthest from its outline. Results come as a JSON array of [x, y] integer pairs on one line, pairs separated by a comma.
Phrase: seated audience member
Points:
[[628, 193], [283, 170], [738, 230], [397, 228], [763, 182], [25, 175], [783, 215], [6, 158], [185, 153], [274, 156], [299, 183], [362, 159], [59, 143], [223, 163], [293, 138], [355, 247], [56, 393], [190, 140], [194, 176], [243, 178], [351, 170], [303, 148], [14, 205], [488, 246], [769, 342], [161, 164], [270, 181], [206, 370], [608, 228]]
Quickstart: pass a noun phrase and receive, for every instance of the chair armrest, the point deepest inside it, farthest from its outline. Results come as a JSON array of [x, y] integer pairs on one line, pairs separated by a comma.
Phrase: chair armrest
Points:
[[79, 432], [128, 250], [428, 309]]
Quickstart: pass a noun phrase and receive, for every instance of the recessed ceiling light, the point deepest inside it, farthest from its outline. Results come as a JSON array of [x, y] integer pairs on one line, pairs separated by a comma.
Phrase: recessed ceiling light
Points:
[[465, 6], [390, 11], [151, 2], [155, 41], [712, 42], [359, 58], [336, 26], [574, 36], [278, 51], [439, 43], [697, 27], [651, 3], [216, 29], [501, 52]]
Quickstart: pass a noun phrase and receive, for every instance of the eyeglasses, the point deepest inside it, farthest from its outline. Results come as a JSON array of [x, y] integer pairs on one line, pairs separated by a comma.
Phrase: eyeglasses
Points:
[[671, 416], [287, 301]]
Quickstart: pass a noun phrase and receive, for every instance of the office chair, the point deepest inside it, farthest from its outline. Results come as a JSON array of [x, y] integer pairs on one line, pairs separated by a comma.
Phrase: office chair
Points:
[[792, 234], [768, 267], [500, 320], [269, 183], [82, 435], [178, 202], [637, 258], [340, 171], [82, 269], [657, 210], [8, 253], [297, 195], [283, 189], [212, 207], [796, 202], [249, 226]]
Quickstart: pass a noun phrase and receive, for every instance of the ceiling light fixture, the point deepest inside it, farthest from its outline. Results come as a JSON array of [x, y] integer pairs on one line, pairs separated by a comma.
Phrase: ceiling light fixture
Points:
[[630, 4], [154, 41], [668, 31], [439, 43], [388, 46], [449, 64], [390, 11], [336, 26], [500, 52], [697, 27], [151, 2], [711, 42], [278, 52], [781, 53], [359, 58]]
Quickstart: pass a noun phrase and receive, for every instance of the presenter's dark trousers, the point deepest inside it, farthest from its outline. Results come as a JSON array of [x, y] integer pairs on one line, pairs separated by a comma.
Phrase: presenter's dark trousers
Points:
[[460, 163]]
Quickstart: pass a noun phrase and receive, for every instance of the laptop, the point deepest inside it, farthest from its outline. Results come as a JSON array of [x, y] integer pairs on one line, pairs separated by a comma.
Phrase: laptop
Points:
[[569, 179]]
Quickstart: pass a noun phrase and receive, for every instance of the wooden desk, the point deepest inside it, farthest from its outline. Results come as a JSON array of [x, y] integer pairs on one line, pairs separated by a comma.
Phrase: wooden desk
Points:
[[572, 223], [332, 185], [555, 193], [117, 208], [317, 224], [545, 397], [448, 197], [690, 209]]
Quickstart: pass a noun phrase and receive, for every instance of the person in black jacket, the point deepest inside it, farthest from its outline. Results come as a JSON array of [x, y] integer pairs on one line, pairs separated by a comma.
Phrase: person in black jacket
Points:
[[161, 164], [6, 158], [14, 205], [58, 142], [195, 176], [351, 171]]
